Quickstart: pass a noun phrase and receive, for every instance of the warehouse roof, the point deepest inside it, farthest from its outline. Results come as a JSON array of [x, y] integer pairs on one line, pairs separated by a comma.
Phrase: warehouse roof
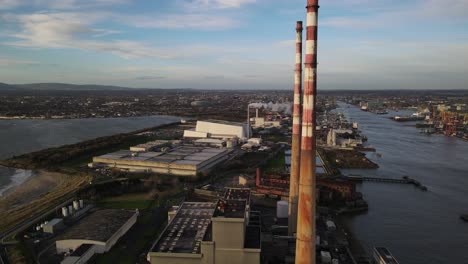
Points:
[[99, 226], [222, 122], [234, 203]]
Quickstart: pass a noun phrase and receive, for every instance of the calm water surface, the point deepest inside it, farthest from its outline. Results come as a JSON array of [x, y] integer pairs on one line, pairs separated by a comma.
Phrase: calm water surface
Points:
[[22, 136], [418, 227]]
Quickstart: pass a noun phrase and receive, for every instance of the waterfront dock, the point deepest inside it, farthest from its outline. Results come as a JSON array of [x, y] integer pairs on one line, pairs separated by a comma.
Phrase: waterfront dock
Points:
[[403, 180]]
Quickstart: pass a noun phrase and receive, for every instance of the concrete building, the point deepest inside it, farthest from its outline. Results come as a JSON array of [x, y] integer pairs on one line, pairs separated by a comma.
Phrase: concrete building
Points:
[[53, 225], [217, 129], [95, 234], [226, 232], [263, 122], [180, 161]]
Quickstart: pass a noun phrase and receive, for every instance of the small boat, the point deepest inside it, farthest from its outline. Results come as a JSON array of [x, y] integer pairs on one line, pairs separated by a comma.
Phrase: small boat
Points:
[[464, 217]]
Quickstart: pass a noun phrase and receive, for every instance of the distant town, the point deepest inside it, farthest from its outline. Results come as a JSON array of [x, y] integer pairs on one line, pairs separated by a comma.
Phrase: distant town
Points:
[[443, 112]]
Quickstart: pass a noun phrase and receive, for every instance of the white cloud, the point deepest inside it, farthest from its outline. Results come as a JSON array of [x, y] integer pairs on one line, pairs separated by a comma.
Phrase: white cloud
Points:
[[77, 4], [180, 21], [75, 30], [59, 4], [427, 11], [214, 4], [13, 62]]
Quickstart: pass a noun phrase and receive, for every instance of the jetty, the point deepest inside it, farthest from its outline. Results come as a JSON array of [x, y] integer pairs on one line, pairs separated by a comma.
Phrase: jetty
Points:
[[403, 180]]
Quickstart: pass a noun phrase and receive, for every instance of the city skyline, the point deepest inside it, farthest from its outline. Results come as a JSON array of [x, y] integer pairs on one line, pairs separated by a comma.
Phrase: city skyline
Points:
[[227, 44]]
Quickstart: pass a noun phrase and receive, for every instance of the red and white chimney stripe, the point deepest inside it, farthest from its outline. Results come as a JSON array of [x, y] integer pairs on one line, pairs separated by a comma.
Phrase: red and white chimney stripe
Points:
[[305, 240], [296, 134]]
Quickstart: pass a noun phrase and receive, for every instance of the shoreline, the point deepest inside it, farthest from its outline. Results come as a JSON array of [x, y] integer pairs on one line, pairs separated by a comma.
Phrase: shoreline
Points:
[[20, 177], [7, 118]]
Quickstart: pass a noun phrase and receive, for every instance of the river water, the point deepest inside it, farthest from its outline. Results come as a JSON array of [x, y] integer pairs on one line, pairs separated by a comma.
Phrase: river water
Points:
[[23, 136], [417, 227]]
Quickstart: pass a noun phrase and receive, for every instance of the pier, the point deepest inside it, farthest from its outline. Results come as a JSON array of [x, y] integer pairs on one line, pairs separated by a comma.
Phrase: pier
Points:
[[403, 180]]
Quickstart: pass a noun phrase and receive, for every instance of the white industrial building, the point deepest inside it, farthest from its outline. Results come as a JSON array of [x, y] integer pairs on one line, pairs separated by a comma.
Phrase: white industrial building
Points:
[[180, 161], [218, 129], [95, 234]]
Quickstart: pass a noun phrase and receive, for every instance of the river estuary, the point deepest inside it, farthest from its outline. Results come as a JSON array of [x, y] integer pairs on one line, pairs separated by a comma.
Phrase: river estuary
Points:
[[23, 136], [418, 227]]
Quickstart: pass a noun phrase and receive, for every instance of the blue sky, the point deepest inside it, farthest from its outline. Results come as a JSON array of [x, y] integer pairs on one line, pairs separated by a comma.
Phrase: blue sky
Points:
[[233, 44]]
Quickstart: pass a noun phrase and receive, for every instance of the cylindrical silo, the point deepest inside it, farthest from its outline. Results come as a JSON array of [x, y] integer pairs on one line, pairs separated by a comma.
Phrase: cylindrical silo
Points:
[[76, 205], [282, 209], [64, 211]]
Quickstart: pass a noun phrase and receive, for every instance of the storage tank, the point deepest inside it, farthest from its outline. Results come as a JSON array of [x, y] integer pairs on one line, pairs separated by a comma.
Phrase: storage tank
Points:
[[81, 204], [229, 144], [76, 205], [282, 209], [64, 211], [70, 209]]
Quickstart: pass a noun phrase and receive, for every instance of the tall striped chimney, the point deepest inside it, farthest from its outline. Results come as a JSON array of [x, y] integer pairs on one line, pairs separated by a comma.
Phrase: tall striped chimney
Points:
[[305, 240], [296, 134]]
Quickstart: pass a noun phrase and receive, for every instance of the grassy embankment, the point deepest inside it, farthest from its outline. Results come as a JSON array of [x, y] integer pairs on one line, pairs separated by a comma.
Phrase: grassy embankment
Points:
[[277, 163]]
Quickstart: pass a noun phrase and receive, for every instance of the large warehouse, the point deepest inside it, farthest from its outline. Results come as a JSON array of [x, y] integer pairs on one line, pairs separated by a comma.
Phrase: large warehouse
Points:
[[217, 129], [203, 232], [181, 161], [95, 234]]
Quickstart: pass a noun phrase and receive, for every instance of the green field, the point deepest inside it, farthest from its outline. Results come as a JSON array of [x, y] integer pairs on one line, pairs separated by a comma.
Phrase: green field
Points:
[[277, 163]]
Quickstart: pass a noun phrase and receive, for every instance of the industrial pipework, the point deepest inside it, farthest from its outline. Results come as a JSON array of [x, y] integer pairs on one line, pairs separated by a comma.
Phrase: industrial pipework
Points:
[[305, 239], [296, 134]]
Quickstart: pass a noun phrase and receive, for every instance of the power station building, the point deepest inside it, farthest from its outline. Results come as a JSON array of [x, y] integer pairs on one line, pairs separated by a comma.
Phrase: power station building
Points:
[[180, 161], [218, 129], [211, 233]]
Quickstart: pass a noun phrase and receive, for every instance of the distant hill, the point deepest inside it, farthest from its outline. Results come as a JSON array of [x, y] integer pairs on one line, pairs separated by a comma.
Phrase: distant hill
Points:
[[4, 86], [62, 86]]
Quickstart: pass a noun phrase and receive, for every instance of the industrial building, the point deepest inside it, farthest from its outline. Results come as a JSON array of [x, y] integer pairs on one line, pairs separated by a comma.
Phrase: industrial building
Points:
[[203, 232], [53, 226], [218, 129], [180, 161], [153, 145], [95, 234]]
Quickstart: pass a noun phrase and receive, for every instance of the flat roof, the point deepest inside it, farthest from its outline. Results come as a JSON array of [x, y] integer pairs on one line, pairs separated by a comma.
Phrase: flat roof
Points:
[[181, 155], [54, 221], [98, 226], [186, 231], [234, 203], [223, 122], [237, 194]]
